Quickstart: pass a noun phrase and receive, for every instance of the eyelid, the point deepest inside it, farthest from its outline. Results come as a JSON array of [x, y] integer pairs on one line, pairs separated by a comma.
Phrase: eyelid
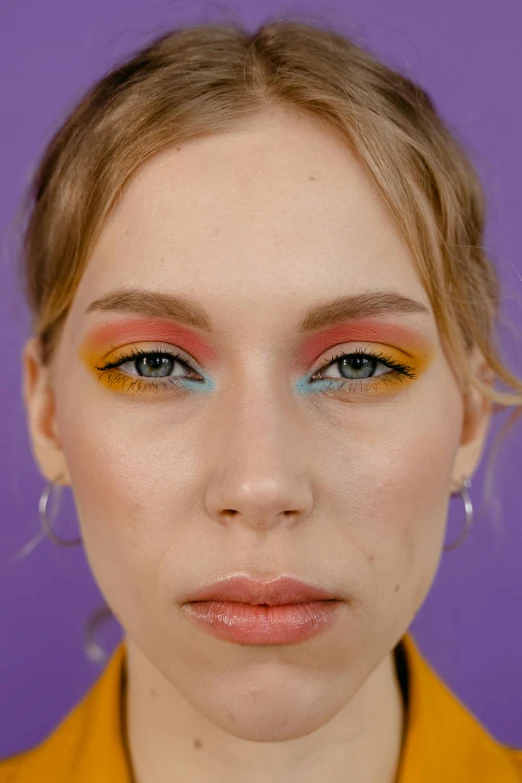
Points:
[[341, 349], [129, 351], [399, 370]]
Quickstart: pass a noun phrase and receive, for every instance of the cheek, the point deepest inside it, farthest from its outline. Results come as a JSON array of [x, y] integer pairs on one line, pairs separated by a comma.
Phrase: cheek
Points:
[[125, 474], [407, 483]]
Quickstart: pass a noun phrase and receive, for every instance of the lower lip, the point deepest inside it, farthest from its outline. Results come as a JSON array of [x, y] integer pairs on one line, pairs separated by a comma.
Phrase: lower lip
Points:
[[261, 624]]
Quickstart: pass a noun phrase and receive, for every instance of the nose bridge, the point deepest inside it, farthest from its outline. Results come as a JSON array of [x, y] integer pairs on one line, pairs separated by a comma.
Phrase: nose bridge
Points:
[[261, 474]]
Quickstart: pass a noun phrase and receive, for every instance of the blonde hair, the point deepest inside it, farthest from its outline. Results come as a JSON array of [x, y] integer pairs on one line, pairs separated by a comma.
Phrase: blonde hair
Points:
[[207, 79]]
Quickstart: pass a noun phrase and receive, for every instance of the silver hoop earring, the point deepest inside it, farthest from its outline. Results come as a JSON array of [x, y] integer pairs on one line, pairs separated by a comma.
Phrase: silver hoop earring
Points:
[[468, 506], [46, 526]]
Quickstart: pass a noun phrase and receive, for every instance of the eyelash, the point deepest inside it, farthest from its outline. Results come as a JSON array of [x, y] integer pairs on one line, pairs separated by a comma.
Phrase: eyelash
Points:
[[399, 372]]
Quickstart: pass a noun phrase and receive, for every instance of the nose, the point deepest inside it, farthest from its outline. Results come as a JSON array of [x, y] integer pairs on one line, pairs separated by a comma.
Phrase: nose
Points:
[[261, 475]]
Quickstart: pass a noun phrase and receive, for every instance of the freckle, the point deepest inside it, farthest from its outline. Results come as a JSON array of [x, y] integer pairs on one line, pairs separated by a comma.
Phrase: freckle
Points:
[[397, 588], [152, 693], [312, 177], [197, 743]]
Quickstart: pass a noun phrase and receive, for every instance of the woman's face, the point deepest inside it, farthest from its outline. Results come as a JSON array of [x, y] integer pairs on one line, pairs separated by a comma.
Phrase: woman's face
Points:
[[249, 466]]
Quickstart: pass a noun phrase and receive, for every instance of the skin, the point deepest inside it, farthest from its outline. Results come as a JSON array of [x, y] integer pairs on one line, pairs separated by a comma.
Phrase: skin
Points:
[[257, 225]]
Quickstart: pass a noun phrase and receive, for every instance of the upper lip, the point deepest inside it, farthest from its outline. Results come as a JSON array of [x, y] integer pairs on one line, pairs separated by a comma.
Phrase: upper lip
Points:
[[244, 589]]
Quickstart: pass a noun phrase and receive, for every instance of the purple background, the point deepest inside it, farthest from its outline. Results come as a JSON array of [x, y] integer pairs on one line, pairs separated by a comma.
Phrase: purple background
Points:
[[467, 54]]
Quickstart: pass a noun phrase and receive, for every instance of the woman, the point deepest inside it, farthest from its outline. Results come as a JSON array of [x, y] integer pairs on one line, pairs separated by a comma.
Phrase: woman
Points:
[[263, 360]]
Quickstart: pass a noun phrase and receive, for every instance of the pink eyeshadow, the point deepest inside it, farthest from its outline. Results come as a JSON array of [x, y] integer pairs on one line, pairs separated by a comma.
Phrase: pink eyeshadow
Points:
[[400, 337], [118, 333]]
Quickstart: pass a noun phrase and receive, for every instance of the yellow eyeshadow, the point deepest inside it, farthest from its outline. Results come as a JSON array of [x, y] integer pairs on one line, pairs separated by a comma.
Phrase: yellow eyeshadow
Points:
[[390, 382], [93, 356]]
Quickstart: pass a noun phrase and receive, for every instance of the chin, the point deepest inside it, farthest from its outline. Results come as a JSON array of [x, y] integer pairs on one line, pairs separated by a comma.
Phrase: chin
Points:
[[273, 713], [271, 725]]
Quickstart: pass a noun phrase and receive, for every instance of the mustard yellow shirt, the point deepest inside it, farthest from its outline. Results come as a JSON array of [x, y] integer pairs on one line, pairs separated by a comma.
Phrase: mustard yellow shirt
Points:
[[444, 743]]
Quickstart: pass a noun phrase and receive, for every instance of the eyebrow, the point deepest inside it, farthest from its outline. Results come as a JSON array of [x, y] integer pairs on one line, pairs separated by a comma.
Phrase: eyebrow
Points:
[[186, 311]]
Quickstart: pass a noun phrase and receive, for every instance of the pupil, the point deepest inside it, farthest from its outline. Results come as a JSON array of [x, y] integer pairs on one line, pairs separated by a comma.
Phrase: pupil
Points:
[[154, 365], [364, 366]]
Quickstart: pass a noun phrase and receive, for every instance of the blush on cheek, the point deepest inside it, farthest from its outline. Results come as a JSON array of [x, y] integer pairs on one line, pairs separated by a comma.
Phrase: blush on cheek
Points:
[[405, 460], [124, 481], [403, 545], [413, 480], [413, 498], [107, 493], [97, 452]]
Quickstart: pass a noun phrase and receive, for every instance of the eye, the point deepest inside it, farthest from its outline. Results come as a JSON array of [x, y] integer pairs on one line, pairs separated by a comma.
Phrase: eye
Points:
[[361, 364], [158, 364], [357, 371], [153, 365]]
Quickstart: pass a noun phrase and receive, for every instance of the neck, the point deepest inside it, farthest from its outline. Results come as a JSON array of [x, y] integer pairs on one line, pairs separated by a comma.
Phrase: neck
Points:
[[170, 741]]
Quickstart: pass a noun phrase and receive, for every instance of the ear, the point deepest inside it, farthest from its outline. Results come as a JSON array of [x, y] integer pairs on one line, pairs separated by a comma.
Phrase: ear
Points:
[[39, 402], [475, 423]]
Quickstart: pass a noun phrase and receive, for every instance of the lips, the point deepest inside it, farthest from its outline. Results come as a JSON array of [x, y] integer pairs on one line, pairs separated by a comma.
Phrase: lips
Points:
[[244, 589], [252, 611]]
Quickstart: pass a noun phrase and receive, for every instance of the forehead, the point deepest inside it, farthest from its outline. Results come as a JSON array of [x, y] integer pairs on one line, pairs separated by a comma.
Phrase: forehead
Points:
[[276, 211]]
